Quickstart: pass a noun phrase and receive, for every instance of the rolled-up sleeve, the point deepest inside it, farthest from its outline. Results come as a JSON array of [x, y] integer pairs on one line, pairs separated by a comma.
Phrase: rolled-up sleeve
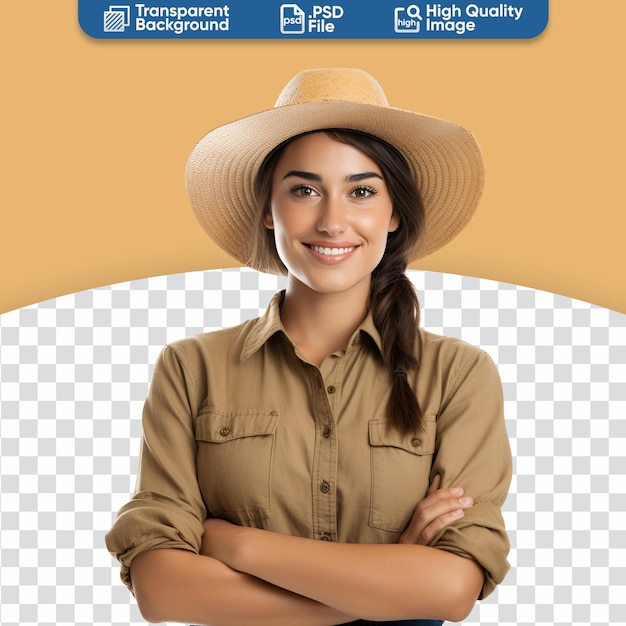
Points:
[[167, 510], [473, 452]]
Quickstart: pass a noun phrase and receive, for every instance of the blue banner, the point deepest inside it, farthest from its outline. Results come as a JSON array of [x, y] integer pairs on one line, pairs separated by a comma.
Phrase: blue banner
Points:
[[343, 19]]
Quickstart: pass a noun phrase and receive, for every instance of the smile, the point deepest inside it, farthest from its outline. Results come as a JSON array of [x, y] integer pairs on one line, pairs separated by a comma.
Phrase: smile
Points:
[[331, 251]]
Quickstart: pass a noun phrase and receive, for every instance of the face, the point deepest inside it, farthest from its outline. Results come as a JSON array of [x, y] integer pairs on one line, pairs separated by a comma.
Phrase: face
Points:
[[331, 213]]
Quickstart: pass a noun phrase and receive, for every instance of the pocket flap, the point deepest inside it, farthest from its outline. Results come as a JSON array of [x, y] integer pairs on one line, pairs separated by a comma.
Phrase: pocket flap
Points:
[[419, 442], [217, 426]]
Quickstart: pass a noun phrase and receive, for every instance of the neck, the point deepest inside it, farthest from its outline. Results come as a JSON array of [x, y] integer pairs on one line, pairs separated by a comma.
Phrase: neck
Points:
[[322, 323]]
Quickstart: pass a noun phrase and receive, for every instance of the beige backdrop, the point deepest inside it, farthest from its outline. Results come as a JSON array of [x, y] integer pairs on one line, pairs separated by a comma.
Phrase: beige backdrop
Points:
[[95, 135]]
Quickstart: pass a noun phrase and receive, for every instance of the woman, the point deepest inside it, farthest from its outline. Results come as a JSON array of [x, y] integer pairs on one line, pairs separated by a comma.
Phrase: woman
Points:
[[329, 462]]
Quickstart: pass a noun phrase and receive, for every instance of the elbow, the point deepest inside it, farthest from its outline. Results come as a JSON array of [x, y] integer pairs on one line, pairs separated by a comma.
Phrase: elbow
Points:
[[150, 616], [179, 586], [463, 593], [459, 610], [156, 608], [149, 607], [149, 594]]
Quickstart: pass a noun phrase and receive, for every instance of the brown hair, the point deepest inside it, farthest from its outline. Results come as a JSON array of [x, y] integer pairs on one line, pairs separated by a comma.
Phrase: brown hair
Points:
[[393, 300]]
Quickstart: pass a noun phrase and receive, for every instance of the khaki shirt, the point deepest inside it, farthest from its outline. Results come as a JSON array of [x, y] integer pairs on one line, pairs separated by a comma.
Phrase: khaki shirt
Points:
[[238, 425]]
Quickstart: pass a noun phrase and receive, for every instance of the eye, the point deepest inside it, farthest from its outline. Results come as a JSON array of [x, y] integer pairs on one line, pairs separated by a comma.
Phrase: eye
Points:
[[363, 192], [303, 191]]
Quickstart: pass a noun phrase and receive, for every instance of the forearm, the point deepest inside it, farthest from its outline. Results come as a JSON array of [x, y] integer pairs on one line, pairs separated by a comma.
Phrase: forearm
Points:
[[377, 582], [179, 586]]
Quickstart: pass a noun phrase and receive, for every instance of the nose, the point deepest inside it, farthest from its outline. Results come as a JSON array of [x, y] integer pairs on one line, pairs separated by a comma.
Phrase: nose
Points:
[[333, 216]]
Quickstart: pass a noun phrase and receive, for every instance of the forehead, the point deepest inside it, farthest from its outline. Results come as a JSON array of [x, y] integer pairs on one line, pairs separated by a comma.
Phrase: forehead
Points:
[[321, 151]]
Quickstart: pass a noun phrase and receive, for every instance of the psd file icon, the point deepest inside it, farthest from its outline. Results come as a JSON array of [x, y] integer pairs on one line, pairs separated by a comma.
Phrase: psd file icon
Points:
[[291, 19]]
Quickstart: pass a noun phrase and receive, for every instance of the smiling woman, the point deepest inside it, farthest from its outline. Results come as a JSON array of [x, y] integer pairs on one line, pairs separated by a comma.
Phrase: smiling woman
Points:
[[329, 461]]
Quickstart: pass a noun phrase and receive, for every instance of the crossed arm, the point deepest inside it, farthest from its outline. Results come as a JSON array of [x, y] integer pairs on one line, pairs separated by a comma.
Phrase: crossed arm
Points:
[[251, 576]]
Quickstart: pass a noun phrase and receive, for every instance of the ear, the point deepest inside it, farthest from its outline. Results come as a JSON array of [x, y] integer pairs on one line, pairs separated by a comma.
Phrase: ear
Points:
[[268, 220], [394, 223]]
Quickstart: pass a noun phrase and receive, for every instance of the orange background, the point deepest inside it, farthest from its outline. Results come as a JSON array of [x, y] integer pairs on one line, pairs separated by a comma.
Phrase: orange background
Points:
[[95, 136]]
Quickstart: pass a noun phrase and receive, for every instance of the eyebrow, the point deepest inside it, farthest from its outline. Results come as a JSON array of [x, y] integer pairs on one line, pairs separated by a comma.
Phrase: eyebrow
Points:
[[353, 178], [305, 175]]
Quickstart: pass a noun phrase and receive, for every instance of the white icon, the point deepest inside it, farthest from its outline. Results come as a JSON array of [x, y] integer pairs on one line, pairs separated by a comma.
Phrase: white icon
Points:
[[116, 19], [291, 19], [407, 19]]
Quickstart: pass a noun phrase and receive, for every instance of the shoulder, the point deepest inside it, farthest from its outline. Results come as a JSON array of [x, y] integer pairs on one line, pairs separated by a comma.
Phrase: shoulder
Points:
[[189, 367], [431, 347], [198, 355], [206, 345], [448, 363]]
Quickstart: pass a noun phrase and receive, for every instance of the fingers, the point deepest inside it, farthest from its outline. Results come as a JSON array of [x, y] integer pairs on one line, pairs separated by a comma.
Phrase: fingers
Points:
[[440, 508], [434, 485], [454, 511]]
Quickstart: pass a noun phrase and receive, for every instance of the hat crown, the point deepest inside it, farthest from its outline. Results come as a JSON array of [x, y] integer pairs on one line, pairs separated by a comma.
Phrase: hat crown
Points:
[[333, 84]]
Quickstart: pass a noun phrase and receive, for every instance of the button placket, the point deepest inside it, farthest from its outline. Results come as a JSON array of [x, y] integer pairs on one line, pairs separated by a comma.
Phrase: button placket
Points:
[[325, 461]]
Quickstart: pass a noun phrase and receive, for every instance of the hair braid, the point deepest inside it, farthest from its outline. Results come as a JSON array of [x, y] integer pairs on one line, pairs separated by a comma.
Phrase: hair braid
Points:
[[395, 311]]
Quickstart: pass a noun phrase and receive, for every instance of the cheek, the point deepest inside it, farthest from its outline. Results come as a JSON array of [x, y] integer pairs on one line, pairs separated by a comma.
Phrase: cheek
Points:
[[290, 220], [380, 229], [379, 226], [280, 223]]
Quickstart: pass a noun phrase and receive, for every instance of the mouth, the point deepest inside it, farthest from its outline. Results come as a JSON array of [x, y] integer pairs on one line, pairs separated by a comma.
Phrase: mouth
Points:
[[328, 251]]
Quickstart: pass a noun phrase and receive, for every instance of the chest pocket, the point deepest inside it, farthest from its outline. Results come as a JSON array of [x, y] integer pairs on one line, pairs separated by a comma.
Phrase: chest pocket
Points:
[[234, 462], [400, 470]]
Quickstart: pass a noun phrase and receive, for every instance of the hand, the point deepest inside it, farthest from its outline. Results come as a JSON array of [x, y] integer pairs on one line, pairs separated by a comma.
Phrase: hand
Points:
[[439, 509]]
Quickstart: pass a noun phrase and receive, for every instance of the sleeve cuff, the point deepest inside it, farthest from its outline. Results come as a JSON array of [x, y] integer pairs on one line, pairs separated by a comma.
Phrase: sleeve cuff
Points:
[[150, 521], [479, 536]]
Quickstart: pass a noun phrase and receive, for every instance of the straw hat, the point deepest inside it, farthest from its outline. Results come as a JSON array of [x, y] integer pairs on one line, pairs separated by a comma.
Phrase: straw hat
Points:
[[445, 158]]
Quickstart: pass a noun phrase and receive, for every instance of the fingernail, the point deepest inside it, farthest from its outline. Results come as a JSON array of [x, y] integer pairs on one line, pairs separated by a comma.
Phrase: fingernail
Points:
[[457, 491], [466, 501], [458, 513]]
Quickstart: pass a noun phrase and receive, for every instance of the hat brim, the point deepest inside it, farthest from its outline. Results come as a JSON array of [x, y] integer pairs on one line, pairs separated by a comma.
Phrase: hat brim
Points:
[[445, 158]]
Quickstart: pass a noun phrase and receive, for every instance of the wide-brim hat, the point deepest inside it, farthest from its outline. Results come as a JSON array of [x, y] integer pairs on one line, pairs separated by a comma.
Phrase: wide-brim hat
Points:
[[445, 158]]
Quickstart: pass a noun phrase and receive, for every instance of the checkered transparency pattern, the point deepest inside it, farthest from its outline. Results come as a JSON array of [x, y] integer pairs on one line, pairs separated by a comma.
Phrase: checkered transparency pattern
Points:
[[74, 372]]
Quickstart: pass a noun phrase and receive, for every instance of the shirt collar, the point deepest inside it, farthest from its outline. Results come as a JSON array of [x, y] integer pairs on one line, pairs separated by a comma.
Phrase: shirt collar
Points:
[[367, 326], [270, 324]]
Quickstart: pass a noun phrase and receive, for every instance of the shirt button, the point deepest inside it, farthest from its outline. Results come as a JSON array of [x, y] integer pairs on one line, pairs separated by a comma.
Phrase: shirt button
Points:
[[331, 389], [325, 537], [326, 432], [224, 431], [416, 443], [324, 487]]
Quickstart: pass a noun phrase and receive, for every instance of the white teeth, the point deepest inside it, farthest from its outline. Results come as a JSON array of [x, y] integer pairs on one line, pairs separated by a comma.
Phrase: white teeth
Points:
[[331, 251]]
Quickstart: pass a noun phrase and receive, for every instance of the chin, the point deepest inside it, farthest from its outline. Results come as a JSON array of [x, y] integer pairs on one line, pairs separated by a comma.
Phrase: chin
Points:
[[338, 286]]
